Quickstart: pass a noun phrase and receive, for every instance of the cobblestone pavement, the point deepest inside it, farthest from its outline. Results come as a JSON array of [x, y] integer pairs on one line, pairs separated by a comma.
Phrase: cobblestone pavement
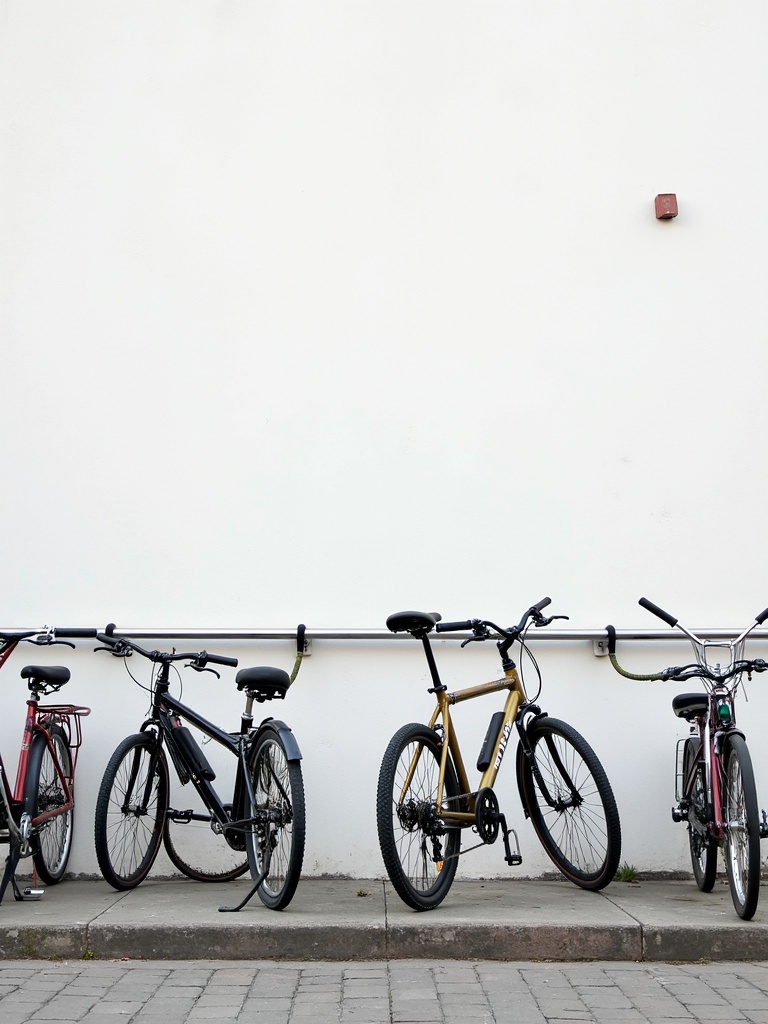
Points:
[[393, 992]]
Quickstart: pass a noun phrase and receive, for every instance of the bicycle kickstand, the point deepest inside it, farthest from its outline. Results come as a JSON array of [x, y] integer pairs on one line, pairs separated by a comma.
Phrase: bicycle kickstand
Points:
[[249, 897], [9, 876]]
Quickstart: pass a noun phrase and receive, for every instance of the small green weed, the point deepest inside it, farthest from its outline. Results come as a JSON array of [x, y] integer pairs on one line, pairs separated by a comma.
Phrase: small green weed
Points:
[[626, 873]]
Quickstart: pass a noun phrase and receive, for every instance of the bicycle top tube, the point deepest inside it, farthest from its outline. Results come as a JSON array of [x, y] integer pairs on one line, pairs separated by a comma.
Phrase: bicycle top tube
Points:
[[711, 674]]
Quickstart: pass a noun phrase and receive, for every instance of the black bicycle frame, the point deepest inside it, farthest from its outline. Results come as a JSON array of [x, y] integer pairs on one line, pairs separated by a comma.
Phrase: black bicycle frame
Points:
[[165, 707]]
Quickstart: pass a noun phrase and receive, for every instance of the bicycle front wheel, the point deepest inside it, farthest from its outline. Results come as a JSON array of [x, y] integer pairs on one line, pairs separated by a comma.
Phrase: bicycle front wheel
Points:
[[130, 811], [703, 848], [44, 793], [420, 852], [570, 802], [279, 821], [742, 827]]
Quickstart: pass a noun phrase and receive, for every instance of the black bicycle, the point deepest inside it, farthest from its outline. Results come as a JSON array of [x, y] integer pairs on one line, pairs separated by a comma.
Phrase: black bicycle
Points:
[[262, 825]]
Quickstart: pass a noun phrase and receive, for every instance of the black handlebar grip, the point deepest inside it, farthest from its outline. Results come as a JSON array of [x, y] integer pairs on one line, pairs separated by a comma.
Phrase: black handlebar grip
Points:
[[542, 603], [85, 634], [760, 619], [654, 608], [453, 627], [219, 659]]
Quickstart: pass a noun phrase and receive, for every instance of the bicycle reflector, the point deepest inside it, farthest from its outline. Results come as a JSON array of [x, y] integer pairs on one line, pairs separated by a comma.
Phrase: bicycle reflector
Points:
[[724, 713]]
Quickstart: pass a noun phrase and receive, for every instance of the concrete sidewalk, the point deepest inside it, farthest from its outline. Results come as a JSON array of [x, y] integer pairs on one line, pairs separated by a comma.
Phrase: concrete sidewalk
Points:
[[344, 919]]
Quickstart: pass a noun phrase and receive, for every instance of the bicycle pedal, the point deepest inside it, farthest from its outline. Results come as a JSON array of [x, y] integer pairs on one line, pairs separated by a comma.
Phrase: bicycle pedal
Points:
[[513, 859], [679, 814]]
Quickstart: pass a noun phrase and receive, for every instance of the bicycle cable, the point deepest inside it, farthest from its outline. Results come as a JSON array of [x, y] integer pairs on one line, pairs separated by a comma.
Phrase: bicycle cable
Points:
[[525, 649]]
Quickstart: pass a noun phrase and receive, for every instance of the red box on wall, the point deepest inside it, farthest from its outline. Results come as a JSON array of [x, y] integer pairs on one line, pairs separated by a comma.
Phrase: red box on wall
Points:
[[666, 206]]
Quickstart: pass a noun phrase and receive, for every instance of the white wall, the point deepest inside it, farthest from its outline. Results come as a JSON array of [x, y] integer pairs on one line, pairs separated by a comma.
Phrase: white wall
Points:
[[315, 311]]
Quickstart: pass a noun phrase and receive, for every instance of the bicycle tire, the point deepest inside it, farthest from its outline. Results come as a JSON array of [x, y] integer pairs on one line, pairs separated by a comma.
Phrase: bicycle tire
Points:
[[579, 824], [407, 823], [128, 837], [280, 816], [742, 834], [51, 841], [195, 849], [703, 847]]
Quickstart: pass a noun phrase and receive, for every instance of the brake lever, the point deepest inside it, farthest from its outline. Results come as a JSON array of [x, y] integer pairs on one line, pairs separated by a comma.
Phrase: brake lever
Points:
[[479, 633], [49, 640], [542, 620], [118, 650], [203, 668]]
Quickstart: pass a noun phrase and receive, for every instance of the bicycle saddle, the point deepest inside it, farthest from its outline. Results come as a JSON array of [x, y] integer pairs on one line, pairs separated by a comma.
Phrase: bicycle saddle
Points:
[[690, 705], [51, 675], [418, 623], [263, 683]]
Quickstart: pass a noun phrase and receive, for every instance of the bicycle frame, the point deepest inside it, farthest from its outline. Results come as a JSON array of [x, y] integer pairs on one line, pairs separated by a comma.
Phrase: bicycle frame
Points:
[[38, 716], [710, 728], [445, 700], [166, 707]]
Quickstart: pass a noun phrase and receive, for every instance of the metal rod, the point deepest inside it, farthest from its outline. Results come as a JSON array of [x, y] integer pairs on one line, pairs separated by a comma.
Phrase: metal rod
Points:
[[326, 633]]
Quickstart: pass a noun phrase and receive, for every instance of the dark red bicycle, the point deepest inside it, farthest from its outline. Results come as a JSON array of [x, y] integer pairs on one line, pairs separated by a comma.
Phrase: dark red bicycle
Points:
[[36, 815]]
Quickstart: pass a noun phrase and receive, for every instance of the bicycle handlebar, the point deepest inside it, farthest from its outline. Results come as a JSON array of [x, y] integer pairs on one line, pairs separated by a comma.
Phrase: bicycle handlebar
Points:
[[122, 646], [698, 670], [511, 633], [683, 672], [47, 635], [659, 612]]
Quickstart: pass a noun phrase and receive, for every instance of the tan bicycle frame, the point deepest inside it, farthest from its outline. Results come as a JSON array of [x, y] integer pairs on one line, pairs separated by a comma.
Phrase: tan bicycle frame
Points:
[[445, 699]]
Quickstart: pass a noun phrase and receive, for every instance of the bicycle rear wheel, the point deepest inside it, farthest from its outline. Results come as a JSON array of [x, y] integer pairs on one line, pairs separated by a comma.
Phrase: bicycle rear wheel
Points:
[[742, 834], [420, 853], [280, 817], [192, 845], [44, 792], [130, 811], [703, 848], [570, 802]]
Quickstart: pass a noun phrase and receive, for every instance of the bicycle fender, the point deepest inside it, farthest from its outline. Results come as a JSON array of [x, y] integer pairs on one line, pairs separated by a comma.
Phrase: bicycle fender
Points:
[[292, 751]]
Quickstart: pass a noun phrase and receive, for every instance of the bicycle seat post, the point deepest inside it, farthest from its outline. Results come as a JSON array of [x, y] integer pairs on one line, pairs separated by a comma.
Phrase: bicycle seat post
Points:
[[438, 685]]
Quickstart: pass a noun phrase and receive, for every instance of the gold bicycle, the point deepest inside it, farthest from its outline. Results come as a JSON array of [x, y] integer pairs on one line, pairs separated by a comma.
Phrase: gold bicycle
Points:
[[425, 800]]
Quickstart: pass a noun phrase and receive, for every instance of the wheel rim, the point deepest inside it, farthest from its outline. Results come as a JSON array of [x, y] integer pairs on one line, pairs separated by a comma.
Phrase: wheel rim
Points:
[[131, 834], [737, 846], [272, 790], [414, 821], [55, 836], [576, 824]]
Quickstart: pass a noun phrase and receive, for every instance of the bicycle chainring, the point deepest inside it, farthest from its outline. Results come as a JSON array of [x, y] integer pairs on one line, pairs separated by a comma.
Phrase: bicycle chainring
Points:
[[487, 815]]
